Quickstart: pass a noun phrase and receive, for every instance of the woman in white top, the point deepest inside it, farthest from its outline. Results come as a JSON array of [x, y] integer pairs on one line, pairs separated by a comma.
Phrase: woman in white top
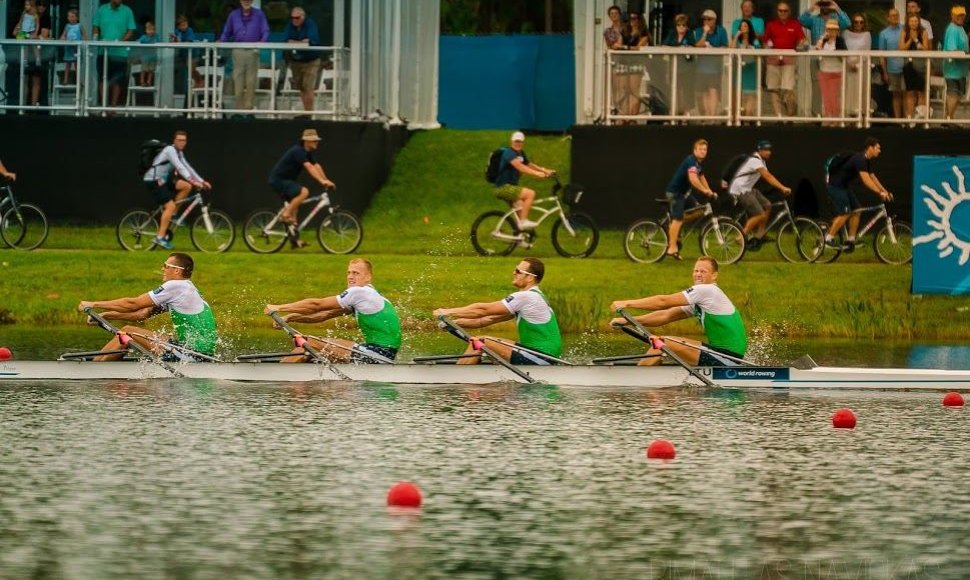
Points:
[[830, 71], [857, 37]]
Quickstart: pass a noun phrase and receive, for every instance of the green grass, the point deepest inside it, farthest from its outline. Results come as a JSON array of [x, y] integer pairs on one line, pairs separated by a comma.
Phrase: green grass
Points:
[[422, 264]]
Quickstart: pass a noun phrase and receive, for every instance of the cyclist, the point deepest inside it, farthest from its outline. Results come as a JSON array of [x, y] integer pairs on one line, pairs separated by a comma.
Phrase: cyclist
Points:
[[282, 179], [839, 180], [170, 179], [689, 175], [513, 164], [6, 174], [754, 203]]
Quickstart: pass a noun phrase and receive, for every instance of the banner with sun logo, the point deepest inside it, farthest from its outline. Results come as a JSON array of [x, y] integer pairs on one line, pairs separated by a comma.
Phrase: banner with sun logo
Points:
[[941, 225]]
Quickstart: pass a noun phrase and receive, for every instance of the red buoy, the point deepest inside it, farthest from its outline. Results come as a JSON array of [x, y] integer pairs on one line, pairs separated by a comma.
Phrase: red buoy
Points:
[[843, 419], [953, 399], [661, 449], [5, 353], [404, 494]]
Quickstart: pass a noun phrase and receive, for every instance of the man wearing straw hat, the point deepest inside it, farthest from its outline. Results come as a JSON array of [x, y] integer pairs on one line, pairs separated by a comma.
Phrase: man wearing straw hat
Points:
[[282, 179]]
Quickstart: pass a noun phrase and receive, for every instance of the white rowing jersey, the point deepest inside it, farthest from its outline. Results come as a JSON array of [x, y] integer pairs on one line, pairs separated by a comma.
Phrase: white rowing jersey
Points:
[[195, 327], [535, 320], [376, 317], [718, 317]]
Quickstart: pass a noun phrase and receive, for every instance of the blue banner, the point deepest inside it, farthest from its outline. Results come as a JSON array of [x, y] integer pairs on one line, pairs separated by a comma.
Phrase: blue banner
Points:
[[941, 225], [507, 82]]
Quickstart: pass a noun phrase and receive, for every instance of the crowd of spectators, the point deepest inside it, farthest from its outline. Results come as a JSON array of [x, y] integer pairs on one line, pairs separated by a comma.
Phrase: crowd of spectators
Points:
[[899, 85]]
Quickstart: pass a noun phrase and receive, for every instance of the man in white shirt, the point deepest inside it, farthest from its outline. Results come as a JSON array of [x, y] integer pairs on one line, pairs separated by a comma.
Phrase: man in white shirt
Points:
[[170, 179], [755, 204]]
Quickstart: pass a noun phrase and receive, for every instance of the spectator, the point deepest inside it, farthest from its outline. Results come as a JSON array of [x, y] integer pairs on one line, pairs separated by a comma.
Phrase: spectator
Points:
[[891, 69], [613, 40], [955, 69], [830, 72], [245, 24], [73, 32], [747, 13], [709, 35], [304, 64], [914, 38], [783, 33], [913, 7], [34, 23], [184, 60], [817, 19], [113, 22], [148, 56], [27, 25], [635, 35], [857, 37], [681, 35], [745, 37]]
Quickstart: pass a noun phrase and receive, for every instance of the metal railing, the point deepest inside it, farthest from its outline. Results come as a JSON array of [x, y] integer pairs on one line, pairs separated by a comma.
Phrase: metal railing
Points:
[[729, 86], [193, 79]]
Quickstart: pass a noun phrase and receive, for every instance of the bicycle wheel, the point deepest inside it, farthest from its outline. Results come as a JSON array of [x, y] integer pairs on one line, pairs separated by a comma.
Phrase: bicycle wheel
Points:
[[340, 232], [24, 228], [801, 242], [724, 243], [581, 242], [494, 234], [645, 241], [827, 255], [895, 252], [215, 237], [137, 230], [262, 237]]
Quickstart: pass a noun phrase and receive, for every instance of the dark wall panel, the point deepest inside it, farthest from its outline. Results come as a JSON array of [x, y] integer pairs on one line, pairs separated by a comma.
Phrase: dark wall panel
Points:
[[624, 168], [85, 169]]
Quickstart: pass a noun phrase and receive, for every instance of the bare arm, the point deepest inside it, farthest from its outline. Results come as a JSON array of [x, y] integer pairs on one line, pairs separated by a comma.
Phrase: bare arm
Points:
[[699, 182], [657, 302], [305, 306], [119, 305], [483, 321], [133, 316], [870, 181], [316, 172], [545, 170], [767, 176], [474, 313], [662, 317], [6, 173], [321, 316], [529, 169]]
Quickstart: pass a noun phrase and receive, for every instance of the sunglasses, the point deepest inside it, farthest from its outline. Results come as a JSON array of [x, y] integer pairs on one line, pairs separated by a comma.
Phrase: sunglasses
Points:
[[167, 265], [522, 272]]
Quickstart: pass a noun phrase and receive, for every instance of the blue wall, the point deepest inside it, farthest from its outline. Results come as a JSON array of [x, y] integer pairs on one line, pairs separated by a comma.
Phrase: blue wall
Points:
[[507, 82]]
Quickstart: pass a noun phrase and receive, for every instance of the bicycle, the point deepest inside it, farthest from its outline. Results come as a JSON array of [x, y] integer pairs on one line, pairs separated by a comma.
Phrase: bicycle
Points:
[[22, 225], [212, 231], [574, 234], [339, 231], [720, 237], [798, 238], [892, 243]]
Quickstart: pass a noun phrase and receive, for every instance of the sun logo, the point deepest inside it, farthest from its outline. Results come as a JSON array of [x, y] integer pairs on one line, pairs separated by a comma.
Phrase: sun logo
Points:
[[944, 209]]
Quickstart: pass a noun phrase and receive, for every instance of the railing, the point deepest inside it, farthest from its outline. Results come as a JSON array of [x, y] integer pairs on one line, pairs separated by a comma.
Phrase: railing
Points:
[[95, 78], [728, 86]]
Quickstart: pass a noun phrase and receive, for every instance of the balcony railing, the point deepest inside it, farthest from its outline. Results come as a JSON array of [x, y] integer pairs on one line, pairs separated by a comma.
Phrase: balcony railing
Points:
[[194, 79], [729, 86]]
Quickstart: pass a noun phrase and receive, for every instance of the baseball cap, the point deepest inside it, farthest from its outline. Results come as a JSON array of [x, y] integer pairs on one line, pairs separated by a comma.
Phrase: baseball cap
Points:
[[518, 136], [764, 144], [957, 10], [709, 14]]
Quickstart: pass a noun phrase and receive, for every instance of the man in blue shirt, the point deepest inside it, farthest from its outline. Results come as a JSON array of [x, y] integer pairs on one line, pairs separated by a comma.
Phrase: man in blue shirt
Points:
[[843, 198], [891, 69], [304, 64], [823, 11], [955, 69], [689, 175], [747, 13], [282, 179], [514, 163], [709, 68]]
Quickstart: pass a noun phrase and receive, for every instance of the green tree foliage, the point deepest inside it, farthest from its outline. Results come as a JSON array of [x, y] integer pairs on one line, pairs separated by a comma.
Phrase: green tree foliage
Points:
[[506, 16]]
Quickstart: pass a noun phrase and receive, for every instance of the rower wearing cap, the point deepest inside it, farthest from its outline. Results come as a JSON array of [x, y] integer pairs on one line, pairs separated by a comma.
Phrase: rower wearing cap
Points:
[[376, 317], [534, 318], [282, 179], [515, 162], [753, 202]]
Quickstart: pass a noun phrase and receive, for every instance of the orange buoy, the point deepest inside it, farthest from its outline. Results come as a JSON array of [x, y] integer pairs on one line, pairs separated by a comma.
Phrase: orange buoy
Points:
[[953, 399], [843, 419], [404, 494], [661, 449]]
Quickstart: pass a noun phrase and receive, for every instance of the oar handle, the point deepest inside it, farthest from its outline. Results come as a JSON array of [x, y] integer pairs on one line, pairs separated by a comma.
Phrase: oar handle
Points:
[[301, 342], [447, 325]]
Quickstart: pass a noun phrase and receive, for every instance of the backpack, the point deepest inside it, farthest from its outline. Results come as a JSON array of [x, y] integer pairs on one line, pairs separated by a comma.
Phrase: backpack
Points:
[[836, 162], [148, 151], [494, 164], [731, 169]]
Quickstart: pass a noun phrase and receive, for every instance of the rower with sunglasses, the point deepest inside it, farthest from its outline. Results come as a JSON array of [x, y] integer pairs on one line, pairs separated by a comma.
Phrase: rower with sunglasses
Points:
[[192, 319], [534, 319]]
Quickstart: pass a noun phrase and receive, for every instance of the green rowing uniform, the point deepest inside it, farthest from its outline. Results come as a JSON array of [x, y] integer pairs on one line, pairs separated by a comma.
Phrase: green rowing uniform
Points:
[[195, 327], [376, 317], [718, 317], [535, 320]]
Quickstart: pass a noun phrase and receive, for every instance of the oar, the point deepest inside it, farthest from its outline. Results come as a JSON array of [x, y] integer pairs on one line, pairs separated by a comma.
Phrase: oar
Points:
[[537, 353], [127, 342], [353, 349], [703, 348], [301, 342], [658, 343], [172, 347], [458, 332], [627, 357], [442, 358]]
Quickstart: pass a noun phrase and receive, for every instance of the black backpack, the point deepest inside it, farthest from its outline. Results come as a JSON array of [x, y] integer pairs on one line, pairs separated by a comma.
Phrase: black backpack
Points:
[[731, 169], [147, 153], [494, 164], [836, 162]]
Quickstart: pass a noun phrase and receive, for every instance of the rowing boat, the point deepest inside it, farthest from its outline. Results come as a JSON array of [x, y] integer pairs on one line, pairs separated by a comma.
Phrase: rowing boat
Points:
[[432, 374]]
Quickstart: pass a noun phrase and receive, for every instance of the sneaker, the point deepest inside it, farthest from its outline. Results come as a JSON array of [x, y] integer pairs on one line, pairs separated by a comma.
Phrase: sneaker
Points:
[[753, 244], [527, 225], [833, 244], [162, 242], [849, 247]]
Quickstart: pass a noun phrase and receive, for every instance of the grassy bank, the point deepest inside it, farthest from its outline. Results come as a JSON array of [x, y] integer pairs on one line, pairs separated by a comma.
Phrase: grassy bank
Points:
[[416, 232]]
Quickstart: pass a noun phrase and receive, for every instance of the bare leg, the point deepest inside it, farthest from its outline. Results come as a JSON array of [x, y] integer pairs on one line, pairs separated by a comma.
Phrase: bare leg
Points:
[[687, 354], [494, 345], [776, 103], [334, 349], [115, 343], [182, 189], [306, 96], [673, 235], [526, 197], [854, 218], [837, 223], [293, 206], [758, 222]]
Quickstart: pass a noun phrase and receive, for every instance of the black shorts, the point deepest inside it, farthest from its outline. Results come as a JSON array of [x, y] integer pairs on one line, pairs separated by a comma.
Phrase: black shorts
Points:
[[520, 357], [708, 359], [117, 69], [385, 351], [178, 356], [286, 188], [956, 86], [680, 203], [161, 193], [843, 199]]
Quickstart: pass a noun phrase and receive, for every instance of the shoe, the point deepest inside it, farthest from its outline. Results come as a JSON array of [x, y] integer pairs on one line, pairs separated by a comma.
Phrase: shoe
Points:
[[162, 242], [753, 244], [833, 244], [674, 256], [849, 247], [297, 244], [527, 225]]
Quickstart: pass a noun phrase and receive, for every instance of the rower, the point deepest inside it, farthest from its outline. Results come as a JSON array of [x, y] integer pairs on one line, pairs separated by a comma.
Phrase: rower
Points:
[[195, 327], [376, 317], [714, 311], [534, 318]]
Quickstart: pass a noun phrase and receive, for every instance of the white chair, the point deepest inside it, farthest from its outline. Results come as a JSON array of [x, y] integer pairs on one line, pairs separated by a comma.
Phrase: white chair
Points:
[[135, 89], [63, 93], [209, 95], [265, 89]]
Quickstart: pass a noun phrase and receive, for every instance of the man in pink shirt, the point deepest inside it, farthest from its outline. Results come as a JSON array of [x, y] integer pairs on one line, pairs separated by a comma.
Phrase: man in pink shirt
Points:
[[784, 32]]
